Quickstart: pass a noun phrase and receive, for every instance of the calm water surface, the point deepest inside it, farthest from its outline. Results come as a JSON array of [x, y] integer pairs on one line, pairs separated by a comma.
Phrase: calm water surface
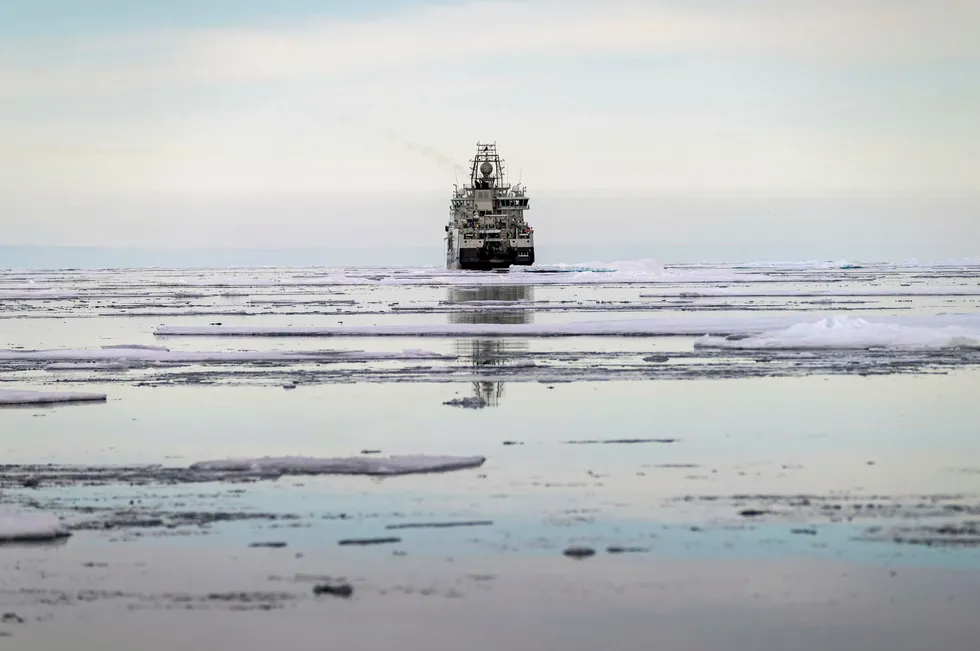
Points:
[[820, 456]]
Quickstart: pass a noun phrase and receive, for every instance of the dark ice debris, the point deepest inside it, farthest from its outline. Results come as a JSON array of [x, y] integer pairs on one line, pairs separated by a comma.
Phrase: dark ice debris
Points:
[[752, 513], [617, 549], [440, 525], [275, 544], [579, 552], [621, 441], [369, 541], [338, 590]]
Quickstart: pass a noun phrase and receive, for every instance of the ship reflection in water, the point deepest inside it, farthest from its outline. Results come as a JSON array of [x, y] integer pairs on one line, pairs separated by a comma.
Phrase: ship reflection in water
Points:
[[497, 305]]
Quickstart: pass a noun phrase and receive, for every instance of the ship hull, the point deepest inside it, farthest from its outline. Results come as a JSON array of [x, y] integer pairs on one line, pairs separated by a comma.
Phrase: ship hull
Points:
[[484, 259]]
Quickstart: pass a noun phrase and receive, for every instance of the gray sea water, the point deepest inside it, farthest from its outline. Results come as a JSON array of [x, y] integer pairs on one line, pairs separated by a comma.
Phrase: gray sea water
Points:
[[745, 414]]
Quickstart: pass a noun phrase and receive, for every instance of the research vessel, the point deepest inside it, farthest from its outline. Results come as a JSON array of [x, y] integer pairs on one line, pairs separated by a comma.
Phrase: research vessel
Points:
[[486, 228]]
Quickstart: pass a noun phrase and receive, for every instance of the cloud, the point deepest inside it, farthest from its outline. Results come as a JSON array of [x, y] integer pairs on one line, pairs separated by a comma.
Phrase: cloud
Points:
[[857, 31], [748, 96]]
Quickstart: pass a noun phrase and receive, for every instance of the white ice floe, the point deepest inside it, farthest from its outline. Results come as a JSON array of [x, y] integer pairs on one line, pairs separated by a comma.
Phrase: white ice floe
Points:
[[36, 295], [402, 465], [13, 397], [619, 272], [757, 292], [123, 357], [848, 332], [647, 327], [87, 366], [803, 265], [19, 525], [822, 265]]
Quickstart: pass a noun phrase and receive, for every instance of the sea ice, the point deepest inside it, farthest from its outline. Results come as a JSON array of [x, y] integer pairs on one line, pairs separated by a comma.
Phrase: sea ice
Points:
[[646, 327], [13, 397], [619, 272], [748, 292], [18, 525], [36, 295], [121, 355], [399, 465], [848, 332], [87, 366]]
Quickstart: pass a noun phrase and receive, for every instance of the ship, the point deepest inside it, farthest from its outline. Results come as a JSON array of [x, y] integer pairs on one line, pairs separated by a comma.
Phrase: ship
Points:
[[486, 228]]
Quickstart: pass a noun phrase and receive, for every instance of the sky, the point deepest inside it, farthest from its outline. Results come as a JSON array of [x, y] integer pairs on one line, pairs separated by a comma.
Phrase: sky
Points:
[[721, 128]]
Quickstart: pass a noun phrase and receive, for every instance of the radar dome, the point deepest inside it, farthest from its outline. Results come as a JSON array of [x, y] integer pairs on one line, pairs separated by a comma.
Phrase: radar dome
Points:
[[486, 169]]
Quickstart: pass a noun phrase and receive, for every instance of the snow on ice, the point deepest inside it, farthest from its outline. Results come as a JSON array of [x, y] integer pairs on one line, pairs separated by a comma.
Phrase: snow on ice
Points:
[[646, 327], [849, 332], [619, 272], [398, 465], [720, 292], [36, 295], [117, 357], [13, 397], [18, 525]]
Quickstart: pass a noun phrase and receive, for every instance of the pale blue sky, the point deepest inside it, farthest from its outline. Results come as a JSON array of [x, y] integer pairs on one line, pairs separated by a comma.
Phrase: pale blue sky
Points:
[[75, 17], [113, 113]]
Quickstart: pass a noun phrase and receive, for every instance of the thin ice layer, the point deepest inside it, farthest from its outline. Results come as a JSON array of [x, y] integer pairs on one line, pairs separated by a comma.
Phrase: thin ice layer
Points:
[[87, 366], [401, 465], [849, 332], [13, 397], [123, 354], [764, 292], [646, 327], [18, 525], [36, 295], [619, 272]]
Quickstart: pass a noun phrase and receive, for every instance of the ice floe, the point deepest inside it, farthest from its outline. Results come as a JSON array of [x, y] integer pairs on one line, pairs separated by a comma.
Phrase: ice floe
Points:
[[620, 272], [617, 272], [87, 366], [823, 265], [757, 292], [649, 327], [119, 357], [15, 397], [36, 295], [19, 525], [849, 332], [820, 265], [395, 465]]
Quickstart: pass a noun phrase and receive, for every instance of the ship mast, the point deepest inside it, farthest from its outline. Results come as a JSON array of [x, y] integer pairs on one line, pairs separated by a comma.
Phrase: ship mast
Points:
[[486, 168]]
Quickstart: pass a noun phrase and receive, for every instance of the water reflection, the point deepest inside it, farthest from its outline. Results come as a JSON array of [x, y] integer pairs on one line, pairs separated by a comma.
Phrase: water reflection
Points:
[[490, 304]]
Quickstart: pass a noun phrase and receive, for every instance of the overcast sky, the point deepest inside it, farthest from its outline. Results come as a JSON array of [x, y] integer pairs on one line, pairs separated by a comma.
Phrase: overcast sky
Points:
[[301, 122]]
